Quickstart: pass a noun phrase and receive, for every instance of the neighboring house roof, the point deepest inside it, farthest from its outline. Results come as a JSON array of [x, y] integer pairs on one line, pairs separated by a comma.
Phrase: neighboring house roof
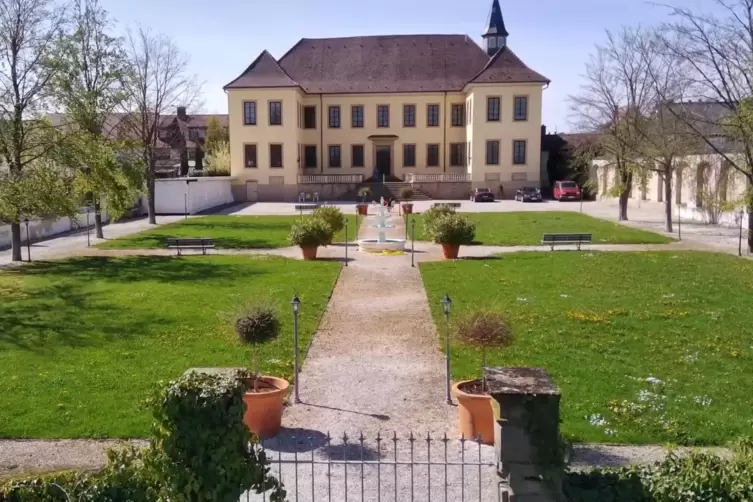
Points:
[[394, 63], [495, 24]]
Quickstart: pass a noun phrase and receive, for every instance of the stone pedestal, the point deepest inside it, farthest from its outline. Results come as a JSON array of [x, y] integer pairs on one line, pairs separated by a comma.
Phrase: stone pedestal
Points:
[[527, 442]]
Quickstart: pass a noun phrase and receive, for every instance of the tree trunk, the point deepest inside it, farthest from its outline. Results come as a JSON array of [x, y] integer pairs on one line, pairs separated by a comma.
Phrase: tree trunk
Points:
[[623, 206], [150, 199], [668, 202], [627, 184], [15, 237], [98, 219]]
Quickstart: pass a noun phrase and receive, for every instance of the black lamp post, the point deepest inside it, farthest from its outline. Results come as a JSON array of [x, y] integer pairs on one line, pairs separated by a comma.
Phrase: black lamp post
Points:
[[28, 238], [740, 239], [88, 227], [446, 306], [296, 304], [412, 241]]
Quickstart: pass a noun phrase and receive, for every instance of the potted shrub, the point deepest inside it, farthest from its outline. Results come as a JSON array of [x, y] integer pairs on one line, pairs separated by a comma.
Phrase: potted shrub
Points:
[[363, 206], [453, 231], [332, 216], [406, 194], [482, 329], [265, 394], [309, 234]]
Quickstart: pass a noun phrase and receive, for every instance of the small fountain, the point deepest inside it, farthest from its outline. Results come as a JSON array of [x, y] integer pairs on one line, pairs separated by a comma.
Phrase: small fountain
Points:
[[381, 243]]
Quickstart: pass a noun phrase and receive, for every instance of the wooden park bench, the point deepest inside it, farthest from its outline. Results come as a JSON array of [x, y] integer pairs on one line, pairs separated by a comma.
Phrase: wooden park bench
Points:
[[446, 204], [306, 207], [566, 239], [179, 243]]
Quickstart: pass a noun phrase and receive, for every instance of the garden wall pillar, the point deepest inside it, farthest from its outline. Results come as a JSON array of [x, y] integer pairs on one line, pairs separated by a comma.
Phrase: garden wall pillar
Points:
[[529, 452]]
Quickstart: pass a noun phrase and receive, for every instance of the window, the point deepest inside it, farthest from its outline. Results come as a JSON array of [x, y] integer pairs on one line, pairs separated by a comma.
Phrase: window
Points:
[[309, 117], [521, 108], [309, 156], [409, 155], [432, 155], [409, 115], [432, 115], [275, 113], [334, 156], [249, 156], [492, 152], [492, 109], [275, 155], [249, 113], [356, 115], [458, 118], [519, 151], [457, 154], [334, 117], [383, 115], [356, 152]]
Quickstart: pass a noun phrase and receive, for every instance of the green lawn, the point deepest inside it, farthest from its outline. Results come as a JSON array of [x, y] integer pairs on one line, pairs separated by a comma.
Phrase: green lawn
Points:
[[229, 232], [527, 228], [606, 324], [83, 341]]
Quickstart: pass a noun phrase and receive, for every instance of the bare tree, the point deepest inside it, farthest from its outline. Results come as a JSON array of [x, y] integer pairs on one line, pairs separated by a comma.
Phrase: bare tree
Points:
[[613, 98], [157, 80], [29, 31], [717, 50], [661, 138]]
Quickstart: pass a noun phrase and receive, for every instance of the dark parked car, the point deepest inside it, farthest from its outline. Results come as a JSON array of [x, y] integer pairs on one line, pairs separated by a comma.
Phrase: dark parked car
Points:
[[528, 194], [482, 195]]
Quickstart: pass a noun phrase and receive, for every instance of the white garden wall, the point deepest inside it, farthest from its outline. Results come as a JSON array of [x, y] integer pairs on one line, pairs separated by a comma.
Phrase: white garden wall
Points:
[[44, 229], [171, 196]]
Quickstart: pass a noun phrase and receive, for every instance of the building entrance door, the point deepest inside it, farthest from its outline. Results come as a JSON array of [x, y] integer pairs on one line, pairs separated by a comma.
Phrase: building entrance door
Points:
[[384, 160]]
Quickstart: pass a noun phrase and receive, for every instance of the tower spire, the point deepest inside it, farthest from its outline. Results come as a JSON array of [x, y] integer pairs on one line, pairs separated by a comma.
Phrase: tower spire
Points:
[[495, 35]]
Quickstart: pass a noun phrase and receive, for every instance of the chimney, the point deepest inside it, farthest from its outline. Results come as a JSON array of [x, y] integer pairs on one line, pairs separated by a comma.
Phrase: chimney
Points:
[[543, 130], [182, 112]]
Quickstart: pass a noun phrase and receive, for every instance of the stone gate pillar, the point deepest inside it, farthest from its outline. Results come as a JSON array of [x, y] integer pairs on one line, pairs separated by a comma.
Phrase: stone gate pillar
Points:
[[529, 452]]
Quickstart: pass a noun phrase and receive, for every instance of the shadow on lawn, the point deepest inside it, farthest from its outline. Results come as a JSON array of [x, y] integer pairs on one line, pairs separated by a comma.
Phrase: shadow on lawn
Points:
[[140, 268], [62, 315]]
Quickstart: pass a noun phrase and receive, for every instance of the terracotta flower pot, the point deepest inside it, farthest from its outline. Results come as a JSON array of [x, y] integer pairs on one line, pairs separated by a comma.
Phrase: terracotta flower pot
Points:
[[264, 409], [451, 251], [475, 413], [408, 208], [309, 253], [363, 209]]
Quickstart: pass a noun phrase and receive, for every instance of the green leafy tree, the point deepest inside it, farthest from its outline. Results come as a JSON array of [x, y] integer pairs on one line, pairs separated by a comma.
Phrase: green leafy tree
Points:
[[216, 136], [29, 32], [88, 88]]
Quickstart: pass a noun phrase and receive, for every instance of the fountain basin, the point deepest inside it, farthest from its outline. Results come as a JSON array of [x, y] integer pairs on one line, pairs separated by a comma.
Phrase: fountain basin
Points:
[[377, 246]]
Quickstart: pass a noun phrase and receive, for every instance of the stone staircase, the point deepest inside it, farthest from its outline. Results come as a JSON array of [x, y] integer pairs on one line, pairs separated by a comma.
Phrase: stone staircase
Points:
[[395, 187]]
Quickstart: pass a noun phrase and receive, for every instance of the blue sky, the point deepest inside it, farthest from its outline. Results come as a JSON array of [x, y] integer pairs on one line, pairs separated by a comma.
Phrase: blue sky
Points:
[[222, 37]]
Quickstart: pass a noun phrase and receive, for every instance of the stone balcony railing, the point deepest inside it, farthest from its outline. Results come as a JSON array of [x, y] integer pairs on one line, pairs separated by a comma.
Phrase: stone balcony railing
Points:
[[330, 178], [438, 177]]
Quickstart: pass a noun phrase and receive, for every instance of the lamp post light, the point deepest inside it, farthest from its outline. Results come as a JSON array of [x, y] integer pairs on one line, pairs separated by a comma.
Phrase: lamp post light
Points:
[[413, 241], [28, 238], [88, 227], [446, 306], [296, 304], [740, 239]]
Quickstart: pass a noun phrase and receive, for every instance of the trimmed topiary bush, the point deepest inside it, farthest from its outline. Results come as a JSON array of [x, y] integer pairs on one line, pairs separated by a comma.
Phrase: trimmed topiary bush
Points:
[[453, 229], [332, 216], [431, 216], [406, 193], [256, 325], [310, 232]]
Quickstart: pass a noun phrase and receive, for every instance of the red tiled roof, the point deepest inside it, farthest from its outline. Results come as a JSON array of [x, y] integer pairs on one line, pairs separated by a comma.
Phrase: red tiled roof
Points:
[[395, 63]]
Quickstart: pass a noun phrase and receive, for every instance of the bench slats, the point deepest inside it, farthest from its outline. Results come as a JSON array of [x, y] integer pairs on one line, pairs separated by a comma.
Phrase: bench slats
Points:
[[577, 239], [179, 243]]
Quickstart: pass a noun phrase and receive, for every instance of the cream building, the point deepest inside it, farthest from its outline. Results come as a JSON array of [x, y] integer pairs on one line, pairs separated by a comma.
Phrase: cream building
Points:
[[427, 109]]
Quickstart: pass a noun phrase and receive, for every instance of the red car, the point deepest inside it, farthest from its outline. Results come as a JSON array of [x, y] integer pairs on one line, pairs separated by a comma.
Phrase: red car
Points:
[[566, 190]]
